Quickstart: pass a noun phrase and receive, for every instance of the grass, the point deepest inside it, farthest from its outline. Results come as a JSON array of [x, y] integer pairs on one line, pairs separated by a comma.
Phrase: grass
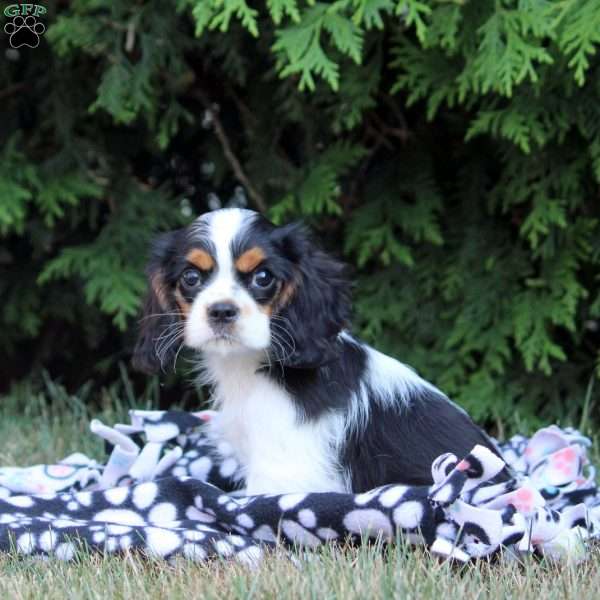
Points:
[[32, 429], [352, 574]]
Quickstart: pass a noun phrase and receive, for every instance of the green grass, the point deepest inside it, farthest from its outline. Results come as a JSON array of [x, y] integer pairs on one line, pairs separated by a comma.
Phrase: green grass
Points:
[[33, 429], [353, 574]]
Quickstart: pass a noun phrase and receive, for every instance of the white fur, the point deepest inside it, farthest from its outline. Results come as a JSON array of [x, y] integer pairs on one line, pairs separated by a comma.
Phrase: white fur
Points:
[[252, 330], [393, 381], [279, 454], [387, 379]]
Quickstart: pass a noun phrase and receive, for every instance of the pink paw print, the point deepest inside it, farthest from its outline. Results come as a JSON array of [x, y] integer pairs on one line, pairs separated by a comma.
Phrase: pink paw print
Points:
[[565, 461], [523, 500]]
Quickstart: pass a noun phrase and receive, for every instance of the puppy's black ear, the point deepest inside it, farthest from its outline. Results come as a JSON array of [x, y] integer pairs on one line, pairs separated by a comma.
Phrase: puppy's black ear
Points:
[[159, 328], [315, 304]]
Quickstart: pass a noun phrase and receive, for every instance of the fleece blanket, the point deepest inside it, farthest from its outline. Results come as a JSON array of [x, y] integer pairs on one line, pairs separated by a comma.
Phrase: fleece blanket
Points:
[[169, 488]]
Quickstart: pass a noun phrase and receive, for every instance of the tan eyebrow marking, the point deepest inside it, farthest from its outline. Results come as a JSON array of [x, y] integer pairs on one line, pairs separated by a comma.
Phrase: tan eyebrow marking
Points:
[[249, 260], [201, 259]]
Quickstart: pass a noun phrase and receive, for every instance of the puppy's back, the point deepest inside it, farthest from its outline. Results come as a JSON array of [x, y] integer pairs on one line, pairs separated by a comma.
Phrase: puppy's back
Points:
[[402, 424]]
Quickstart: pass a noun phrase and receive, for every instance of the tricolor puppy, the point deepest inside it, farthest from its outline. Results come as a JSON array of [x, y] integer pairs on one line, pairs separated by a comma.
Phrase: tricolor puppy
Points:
[[306, 406]]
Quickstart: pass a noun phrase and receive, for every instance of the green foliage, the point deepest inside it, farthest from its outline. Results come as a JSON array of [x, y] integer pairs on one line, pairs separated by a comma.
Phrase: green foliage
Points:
[[317, 191], [112, 265], [449, 149], [16, 177]]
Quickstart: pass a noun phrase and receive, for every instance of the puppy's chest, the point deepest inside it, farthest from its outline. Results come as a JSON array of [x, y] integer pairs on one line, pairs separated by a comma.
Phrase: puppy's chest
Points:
[[278, 453]]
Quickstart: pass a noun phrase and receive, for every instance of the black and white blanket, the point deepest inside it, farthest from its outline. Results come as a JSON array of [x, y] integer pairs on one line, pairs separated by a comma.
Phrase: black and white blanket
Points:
[[169, 489]]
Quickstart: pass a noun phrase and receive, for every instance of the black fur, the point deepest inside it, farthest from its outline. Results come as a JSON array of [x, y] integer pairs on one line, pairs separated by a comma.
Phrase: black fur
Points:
[[319, 307], [317, 391], [160, 312], [399, 445], [159, 307]]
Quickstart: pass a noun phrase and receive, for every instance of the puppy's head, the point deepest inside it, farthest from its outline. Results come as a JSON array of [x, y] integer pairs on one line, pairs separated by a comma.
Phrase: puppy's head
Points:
[[232, 282]]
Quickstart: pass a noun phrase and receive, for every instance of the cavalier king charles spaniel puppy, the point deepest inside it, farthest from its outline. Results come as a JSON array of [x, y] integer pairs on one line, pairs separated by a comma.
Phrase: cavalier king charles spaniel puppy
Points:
[[305, 405]]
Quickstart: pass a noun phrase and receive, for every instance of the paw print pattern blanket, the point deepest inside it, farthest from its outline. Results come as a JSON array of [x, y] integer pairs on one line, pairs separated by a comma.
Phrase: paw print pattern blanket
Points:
[[169, 489]]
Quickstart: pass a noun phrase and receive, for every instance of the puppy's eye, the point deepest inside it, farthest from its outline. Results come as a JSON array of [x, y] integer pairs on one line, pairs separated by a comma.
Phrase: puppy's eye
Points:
[[190, 278], [263, 278]]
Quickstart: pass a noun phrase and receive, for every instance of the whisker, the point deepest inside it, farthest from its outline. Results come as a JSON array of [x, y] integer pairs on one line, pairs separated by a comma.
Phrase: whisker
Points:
[[288, 341], [281, 327], [175, 324], [177, 353], [281, 347], [166, 341], [269, 363], [168, 332], [163, 314]]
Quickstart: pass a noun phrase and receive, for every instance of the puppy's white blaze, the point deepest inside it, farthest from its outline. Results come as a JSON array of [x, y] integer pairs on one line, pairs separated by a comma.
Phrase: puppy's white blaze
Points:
[[224, 227], [259, 419], [252, 330]]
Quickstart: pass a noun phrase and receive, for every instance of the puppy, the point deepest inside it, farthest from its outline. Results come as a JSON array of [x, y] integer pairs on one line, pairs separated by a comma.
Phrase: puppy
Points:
[[305, 405]]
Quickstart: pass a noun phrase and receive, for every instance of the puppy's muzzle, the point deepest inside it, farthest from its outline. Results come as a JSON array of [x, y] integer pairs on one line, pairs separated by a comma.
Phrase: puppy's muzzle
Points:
[[221, 314]]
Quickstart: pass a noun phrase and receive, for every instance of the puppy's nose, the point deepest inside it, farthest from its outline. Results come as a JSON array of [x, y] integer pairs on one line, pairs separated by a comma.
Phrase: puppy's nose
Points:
[[223, 312]]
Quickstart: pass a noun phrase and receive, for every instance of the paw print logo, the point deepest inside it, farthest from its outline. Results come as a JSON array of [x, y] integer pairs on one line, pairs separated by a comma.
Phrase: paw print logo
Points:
[[565, 461], [24, 31]]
